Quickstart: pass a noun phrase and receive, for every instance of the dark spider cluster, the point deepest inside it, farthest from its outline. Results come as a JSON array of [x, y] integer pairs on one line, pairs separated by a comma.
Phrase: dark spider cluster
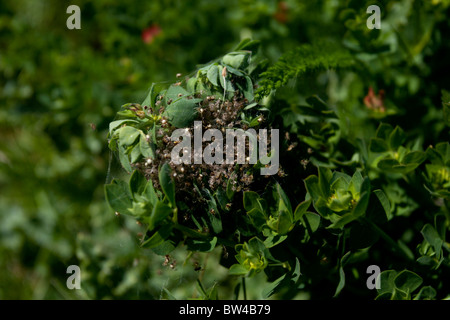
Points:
[[214, 114]]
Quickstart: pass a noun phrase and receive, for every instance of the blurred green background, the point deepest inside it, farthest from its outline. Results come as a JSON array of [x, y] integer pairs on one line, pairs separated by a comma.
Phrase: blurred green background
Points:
[[60, 88]]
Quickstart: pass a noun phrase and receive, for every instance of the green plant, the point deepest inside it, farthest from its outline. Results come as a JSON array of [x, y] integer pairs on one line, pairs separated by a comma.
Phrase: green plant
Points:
[[363, 120], [345, 209]]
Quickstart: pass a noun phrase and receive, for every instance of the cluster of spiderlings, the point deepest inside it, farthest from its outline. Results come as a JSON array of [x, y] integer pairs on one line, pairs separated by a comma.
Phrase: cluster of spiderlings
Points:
[[214, 114]]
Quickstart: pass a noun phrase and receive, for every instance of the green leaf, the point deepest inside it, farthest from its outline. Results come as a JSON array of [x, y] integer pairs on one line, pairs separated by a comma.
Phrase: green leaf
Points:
[[407, 281], [398, 294], [272, 287], [324, 184], [288, 280], [124, 159], [361, 206], [160, 212], [135, 153], [148, 99], [164, 248], [356, 183], [213, 213], [154, 90], [384, 130], [443, 148], [237, 270], [190, 85], [158, 237], [284, 200], [313, 220], [150, 193], [118, 196], [167, 184], [213, 292], [257, 218], [414, 157], [284, 222], [137, 183], [128, 135], [202, 245], [234, 71], [182, 113], [230, 192], [146, 149], [251, 105], [396, 138], [342, 221], [236, 60], [312, 186], [301, 209], [341, 283], [113, 125], [296, 272], [387, 281], [384, 201], [384, 296], [251, 201], [432, 237], [213, 75], [248, 44], [273, 240], [342, 263], [426, 293], [255, 245], [248, 91], [388, 164], [174, 93], [222, 199]]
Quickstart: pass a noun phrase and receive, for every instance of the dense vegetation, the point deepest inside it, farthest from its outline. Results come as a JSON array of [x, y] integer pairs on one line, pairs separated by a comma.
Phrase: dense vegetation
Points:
[[364, 153]]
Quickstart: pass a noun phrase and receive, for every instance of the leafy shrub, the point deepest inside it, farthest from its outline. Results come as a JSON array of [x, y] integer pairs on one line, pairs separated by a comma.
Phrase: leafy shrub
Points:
[[351, 104], [339, 222]]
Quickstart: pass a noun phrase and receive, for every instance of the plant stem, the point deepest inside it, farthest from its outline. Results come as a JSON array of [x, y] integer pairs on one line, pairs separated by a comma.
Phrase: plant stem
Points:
[[244, 289]]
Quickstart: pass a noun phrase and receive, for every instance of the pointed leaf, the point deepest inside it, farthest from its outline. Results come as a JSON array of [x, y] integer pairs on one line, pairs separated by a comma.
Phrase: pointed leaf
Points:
[[432, 237], [167, 184], [158, 237], [324, 178], [160, 212], [213, 75], [396, 138], [383, 131], [301, 209], [137, 183], [284, 200], [118, 196]]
